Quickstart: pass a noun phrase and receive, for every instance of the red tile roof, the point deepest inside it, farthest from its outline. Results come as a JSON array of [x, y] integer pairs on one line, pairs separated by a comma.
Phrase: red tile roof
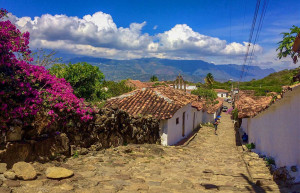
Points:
[[209, 108], [161, 102], [250, 105], [221, 90], [138, 84]]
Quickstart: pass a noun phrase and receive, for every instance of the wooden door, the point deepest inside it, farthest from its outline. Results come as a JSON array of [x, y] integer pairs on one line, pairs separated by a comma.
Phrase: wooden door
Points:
[[183, 123]]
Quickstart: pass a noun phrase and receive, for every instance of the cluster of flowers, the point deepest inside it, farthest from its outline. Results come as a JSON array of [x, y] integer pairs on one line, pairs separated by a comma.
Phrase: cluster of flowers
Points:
[[26, 90]]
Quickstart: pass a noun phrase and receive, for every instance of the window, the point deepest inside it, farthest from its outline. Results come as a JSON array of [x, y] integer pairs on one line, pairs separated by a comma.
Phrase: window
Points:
[[177, 120]]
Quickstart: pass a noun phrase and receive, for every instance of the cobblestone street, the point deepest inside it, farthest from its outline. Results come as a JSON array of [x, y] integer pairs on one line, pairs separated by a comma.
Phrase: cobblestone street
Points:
[[208, 163]]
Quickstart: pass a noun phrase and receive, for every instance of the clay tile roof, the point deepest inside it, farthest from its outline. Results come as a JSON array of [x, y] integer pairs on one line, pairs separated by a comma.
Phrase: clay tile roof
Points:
[[250, 106], [201, 105], [160, 102], [138, 84], [221, 90]]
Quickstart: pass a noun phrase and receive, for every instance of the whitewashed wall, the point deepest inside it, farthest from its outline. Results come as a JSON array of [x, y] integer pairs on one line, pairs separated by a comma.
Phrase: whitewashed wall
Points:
[[276, 131], [222, 94], [174, 131], [163, 124], [198, 118]]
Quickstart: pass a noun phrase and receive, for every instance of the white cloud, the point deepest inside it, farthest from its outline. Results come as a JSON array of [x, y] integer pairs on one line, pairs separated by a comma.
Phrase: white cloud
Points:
[[97, 35], [155, 27]]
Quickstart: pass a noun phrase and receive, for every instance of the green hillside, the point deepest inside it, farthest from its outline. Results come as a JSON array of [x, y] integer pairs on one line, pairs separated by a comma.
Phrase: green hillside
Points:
[[271, 83]]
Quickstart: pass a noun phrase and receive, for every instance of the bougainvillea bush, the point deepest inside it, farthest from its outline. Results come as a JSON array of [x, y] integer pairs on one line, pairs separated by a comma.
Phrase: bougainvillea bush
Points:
[[29, 93]]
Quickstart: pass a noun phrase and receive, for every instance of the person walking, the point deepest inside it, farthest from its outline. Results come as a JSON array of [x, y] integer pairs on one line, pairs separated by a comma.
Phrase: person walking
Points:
[[216, 125]]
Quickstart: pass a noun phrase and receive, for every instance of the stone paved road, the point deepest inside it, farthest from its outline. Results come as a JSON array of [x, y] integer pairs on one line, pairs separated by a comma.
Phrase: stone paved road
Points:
[[209, 163]]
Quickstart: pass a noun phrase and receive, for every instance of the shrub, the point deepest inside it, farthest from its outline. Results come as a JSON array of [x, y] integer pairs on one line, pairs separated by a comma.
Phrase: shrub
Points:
[[250, 146], [30, 93], [270, 161]]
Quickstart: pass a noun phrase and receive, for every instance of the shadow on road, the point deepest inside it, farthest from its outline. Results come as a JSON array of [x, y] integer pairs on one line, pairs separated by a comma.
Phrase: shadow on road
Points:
[[254, 186]]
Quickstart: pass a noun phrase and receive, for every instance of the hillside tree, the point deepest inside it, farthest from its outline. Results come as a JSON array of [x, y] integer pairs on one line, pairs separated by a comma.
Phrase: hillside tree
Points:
[[285, 46], [153, 78]]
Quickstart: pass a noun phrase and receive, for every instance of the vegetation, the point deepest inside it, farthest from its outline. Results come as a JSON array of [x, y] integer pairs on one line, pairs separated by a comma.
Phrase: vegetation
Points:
[[270, 161], [204, 93], [250, 146], [285, 46], [42, 58], [209, 80], [153, 78], [235, 114], [85, 79], [29, 92], [271, 83], [114, 89]]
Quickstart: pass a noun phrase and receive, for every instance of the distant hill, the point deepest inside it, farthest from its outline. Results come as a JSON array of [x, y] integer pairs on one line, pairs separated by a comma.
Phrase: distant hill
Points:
[[166, 69], [271, 83]]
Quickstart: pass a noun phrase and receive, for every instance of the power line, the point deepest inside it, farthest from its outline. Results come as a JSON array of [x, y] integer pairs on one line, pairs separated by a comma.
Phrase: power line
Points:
[[262, 16], [250, 36]]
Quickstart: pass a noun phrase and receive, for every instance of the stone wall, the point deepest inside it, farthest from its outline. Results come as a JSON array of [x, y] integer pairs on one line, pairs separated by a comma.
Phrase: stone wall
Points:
[[110, 128]]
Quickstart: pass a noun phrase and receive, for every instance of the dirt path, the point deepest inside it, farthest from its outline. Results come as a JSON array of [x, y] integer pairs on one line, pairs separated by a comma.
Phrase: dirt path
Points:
[[209, 163]]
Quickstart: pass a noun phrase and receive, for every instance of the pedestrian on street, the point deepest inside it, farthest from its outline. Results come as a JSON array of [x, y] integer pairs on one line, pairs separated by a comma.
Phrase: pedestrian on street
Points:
[[216, 125]]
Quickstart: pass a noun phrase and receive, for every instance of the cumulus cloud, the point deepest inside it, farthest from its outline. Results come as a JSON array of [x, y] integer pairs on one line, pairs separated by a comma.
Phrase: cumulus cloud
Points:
[[97, 35]]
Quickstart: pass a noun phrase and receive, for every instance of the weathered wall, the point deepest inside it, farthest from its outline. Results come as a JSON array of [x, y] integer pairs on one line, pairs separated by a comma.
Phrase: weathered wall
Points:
[[111, 127], [276, 131]]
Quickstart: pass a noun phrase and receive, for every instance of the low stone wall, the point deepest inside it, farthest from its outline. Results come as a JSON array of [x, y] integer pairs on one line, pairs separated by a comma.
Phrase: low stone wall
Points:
[[110, 128]]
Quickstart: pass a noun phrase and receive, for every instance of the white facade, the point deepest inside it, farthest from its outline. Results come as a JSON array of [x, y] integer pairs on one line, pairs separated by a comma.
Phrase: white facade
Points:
[[175, 129], [276, 131], [172, 130], [222, 94]]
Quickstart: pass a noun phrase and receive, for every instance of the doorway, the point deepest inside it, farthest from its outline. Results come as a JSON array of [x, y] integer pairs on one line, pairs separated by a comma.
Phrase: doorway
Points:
[[183, 124]]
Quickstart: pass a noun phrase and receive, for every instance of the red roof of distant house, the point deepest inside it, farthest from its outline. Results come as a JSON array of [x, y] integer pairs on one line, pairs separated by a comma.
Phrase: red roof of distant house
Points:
[[161, 102], [221, 90], [250, 105], [201, 105], [138, 84]]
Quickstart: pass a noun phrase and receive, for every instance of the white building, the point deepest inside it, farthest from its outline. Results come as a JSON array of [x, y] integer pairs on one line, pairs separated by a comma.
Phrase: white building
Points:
[[222, 93], [208, 112], [275, 130], [172, 107]]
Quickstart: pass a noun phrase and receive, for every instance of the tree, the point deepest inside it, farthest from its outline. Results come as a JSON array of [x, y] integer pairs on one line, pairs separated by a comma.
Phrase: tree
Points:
[[116, 88], [42, 58], [207, 94], [153, 78], [209, 80], [285, 46], [85, 79]]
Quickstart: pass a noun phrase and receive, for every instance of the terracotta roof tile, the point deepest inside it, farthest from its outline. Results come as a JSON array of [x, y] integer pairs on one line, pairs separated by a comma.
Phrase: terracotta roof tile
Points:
[[221, 90], [160, 102], [209, 108], [250, 105], [138, 84]]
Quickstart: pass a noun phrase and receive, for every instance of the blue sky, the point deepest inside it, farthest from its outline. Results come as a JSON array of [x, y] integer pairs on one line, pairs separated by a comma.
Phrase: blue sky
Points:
[[213, 31]]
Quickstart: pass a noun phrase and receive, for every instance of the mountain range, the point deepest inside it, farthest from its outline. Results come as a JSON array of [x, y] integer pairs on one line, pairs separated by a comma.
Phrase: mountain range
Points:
[[167, 69]]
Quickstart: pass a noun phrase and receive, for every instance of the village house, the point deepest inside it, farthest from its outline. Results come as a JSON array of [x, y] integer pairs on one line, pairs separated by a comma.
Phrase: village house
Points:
[[273, 126], [222, 93], [138, 84], [172, 107], [207, 112]]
